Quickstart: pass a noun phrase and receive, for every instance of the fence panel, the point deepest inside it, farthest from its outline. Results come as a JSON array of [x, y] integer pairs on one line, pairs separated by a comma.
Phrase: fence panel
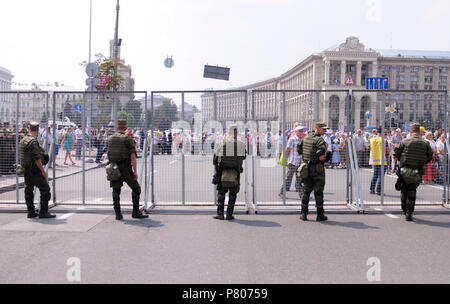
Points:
[[276, 184], [396, 111], [21, 107]]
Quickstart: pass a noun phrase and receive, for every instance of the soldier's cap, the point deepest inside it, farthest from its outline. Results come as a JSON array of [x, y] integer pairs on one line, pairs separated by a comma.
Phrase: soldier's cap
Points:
[[121, 123], [415, 127], [322, 125], [34, 126]]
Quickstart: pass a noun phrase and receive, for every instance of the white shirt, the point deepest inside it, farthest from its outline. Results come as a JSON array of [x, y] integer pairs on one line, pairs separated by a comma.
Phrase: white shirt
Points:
[[294, 158], [78, 134]]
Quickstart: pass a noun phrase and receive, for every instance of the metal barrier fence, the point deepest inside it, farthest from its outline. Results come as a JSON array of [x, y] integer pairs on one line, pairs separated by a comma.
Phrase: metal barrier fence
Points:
[[74, 128], [266, 120], [176, 133], [398, 109]]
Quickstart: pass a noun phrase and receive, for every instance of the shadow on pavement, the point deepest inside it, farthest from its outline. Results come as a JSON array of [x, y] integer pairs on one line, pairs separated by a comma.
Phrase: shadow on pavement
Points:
[[431, 223], [49, 222], [353, 225], [146, 223], [256, 223]]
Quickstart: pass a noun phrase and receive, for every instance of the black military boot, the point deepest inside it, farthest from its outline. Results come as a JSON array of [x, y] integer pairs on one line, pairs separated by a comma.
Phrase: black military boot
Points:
[[119, 216], [304, 216], [220, 212], [31, 210], [230, 210], [321, 216], [137, 214], [43, 213], [409, 217]]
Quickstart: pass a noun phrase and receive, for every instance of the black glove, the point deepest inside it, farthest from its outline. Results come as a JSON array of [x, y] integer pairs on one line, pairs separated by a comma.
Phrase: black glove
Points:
[[46, 159]]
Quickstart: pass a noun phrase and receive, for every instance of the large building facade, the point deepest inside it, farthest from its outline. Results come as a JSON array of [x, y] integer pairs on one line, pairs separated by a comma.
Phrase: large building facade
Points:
[[341, 68], [5, 86]]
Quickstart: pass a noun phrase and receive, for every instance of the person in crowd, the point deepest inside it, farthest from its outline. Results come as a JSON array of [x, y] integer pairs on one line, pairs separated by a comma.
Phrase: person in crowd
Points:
[[78, 133], [294, 161], [336, 154], [101, 145], [344, 151], [430, 170], [441, 159], [376, 149], [67, 141]]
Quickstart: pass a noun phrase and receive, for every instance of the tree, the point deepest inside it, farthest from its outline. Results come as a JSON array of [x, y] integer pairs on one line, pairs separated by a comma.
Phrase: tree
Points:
[[68, 110], [133, 107], [165, 114], [109, 78]]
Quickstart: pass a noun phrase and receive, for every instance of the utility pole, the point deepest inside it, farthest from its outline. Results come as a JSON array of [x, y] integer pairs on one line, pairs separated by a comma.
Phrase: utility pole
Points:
[[115, 60]]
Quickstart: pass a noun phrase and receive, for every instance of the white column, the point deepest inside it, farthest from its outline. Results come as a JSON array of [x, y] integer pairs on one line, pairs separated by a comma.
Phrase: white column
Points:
[[374, 69], [358, 73], [343, 67], [327, 72], [342, 115], [357, 113]]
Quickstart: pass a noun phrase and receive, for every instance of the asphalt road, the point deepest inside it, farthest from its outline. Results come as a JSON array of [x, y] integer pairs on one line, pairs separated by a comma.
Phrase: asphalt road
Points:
[[199, 190], [193, 248]]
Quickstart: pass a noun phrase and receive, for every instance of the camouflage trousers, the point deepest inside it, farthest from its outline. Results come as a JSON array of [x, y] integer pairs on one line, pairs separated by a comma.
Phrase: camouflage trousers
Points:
[[408, 197], [35, 179], [127, 176], [315, 182]]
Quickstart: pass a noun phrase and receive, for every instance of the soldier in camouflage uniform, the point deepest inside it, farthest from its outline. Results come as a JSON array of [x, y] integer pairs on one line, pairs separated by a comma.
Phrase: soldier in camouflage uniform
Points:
[[228, 159], [414, 153], [32, 158], [314, 151], [122, 151]]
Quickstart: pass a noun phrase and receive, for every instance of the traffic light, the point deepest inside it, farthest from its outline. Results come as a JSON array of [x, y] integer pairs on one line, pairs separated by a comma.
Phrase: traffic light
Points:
[[60, 115]]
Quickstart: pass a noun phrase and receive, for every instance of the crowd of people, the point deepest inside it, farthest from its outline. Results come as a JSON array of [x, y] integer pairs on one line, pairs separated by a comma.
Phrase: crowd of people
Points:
[[268, 145]]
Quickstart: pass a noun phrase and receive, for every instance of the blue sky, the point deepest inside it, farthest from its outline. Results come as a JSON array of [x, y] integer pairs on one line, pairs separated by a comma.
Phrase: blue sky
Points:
[[45, 40]]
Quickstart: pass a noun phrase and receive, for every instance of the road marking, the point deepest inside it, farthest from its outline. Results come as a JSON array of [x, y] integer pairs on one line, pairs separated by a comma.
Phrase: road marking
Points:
[[65, 216], [377, 209], [172, 162], [392, 216]]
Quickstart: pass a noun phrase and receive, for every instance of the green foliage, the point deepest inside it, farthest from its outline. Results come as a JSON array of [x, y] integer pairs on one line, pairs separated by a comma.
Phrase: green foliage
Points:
[[107, 70], [165, 114]]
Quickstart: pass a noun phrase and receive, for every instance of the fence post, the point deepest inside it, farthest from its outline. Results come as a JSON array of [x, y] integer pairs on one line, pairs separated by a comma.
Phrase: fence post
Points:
[[246, 158], [446, 177], [253, 143], [83, 145], [183, 167], [284, 147], [383, 147], [151, 150], [17, 145], [215, 136], [55, 129]]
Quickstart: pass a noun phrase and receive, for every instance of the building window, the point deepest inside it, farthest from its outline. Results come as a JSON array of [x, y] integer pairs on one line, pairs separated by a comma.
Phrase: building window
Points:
[[414, 69], [386, 69], [414, 86], [414, 78], [428, 87], [443, 79], [443, 70], [428, 69], [400, 69], [428, 79], [443, 87]]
